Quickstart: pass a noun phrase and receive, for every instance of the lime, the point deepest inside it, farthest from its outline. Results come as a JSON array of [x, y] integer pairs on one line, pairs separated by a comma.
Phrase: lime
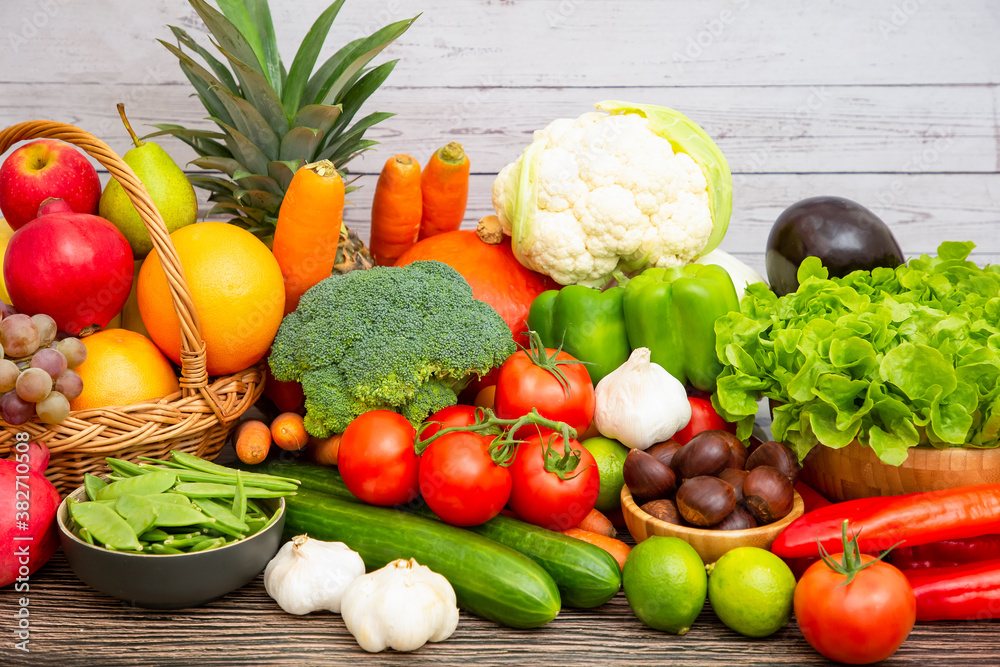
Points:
[[610, 456], [664, 580], [751, 591]]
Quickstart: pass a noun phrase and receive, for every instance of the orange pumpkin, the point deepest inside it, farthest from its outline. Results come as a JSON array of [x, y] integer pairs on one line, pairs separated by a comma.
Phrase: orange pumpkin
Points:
[[485, 260]]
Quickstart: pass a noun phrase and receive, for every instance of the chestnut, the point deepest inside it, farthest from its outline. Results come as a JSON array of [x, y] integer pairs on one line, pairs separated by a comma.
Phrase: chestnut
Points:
[[664, 510], [768, 494], [705, 501], [736, 478], [646, 477], [737, 451], [664, 451], [706, 453], [738, 519], [778, 456]]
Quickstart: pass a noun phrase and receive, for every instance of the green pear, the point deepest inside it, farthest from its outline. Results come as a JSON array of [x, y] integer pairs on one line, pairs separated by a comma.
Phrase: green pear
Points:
[[167, 185]]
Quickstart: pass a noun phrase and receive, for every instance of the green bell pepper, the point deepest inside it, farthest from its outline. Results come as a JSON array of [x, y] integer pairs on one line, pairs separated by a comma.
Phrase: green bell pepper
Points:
[[673, 312], [589, 324]]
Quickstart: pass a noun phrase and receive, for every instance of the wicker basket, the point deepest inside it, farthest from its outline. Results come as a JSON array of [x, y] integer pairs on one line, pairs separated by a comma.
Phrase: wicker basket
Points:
[[197, 419], [855, 471]]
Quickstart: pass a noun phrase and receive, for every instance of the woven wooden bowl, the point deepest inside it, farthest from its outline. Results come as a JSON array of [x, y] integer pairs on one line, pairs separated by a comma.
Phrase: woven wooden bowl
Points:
[[197, 419], [710, 544], [856, 472]]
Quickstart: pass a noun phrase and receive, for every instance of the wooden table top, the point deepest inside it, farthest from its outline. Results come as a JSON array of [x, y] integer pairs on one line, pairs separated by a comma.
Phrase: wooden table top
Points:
[[73, 624]]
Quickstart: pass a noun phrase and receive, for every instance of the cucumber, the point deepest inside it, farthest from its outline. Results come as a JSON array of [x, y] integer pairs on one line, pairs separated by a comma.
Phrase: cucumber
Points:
[[490, 580], [587, 576]]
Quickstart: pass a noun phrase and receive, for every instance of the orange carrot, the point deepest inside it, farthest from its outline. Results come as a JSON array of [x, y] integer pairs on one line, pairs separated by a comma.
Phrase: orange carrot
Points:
[[616, 548], [595, 522], [444, 186], [253, 441], [289, 432], [324, 450], [308, 228], [396, 209]]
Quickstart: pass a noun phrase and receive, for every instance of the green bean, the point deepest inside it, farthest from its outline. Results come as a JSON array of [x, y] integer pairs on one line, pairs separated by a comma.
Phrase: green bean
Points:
[[104, 524], [207, 490], [254, 508], [93, 484], [138, 511], [240, 498], [186, 542], [161, 549], [257, 479], [254, 526], [221, 514], [143, 485], [125, 468], [207, 544]]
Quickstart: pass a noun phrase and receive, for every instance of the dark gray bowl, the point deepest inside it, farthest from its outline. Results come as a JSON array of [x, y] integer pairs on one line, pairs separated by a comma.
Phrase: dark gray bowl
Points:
[[171, 581]]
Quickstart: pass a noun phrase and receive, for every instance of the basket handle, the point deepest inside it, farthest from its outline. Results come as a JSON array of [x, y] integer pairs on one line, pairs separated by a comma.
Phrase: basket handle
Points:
[[194, 369]]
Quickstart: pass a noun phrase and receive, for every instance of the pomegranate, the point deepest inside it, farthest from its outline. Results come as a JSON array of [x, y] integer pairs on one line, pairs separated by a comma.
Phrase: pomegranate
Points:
[[28, 503], [75, 267]]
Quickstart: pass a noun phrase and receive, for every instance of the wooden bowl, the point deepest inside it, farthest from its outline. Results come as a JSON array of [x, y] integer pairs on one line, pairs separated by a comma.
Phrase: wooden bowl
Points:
[[710, 544], [855, 471]]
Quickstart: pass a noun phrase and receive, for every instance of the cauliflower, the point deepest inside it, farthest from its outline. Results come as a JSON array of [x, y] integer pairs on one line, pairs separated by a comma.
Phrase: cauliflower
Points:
[[608, 193]]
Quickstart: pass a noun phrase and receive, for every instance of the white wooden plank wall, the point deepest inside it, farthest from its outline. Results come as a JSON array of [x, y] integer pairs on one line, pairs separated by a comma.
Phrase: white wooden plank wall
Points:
[[893, 103]]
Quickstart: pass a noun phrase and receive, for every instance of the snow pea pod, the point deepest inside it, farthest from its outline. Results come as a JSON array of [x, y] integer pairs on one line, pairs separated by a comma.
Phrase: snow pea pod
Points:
[[157, 548], [208, 490], [124, 468], [256, 479], [169, 514], [240, 498], [204, 545], [105, 526], [137, 511], [221, 514], [143, 485], [92, 484], [155, 535]]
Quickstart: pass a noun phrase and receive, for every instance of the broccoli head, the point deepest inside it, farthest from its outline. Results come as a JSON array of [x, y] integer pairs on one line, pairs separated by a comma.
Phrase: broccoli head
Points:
[[388, 338]]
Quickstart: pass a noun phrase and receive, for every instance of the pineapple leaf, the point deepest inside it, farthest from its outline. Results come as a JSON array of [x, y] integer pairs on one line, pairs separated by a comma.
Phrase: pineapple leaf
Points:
[[203, 82], [227, 165], [260, 94], [355, 133], [283, 172], [228, 35], [258, 182], [305, 59], [352, 151], [318, 116], [243, 149], [358, 94], [196, 139], [213, 184], [360, 56], [255, 214], [252, 124], [327, 70], [300, 142], [221, 71], [259, 199], [274, 69], [238, 14], [175, 130]]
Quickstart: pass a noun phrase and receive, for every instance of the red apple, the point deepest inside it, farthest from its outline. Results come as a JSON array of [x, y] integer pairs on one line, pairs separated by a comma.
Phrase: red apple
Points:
[[72, 266], [43, 169]]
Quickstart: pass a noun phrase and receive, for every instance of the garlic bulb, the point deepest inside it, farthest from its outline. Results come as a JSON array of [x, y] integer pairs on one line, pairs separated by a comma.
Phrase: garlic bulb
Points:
[[640, 403], [402, 606], [308, 575]]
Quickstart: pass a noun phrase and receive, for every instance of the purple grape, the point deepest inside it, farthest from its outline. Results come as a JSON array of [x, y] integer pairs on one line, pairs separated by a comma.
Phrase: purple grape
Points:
[[15, 411], [19, 336], [51, 361], [69, 384]]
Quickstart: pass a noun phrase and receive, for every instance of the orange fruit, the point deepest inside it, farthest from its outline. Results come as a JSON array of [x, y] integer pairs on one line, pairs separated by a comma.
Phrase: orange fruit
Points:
[[123, 367], [237, 289]]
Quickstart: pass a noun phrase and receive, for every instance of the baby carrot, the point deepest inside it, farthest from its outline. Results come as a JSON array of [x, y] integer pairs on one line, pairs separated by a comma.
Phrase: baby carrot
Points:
[[595, 522], [289, 432], [253, 441], [396, 209], [616, 548], [308, 228], [324, 450], [444, 187]]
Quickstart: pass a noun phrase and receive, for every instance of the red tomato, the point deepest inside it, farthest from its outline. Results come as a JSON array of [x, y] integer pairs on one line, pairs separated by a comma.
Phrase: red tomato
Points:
[[377, 460], [454, 415], [860, 623], [460, 482], [523, 385], [540, 496], [703, 418]]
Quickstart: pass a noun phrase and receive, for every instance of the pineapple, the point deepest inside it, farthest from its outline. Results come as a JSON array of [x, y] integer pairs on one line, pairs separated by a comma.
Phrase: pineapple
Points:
[[272, 120]]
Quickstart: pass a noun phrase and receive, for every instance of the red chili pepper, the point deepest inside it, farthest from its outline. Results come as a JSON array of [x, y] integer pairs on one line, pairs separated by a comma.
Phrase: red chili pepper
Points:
[[946, 553], [959, 593], [916, 518]]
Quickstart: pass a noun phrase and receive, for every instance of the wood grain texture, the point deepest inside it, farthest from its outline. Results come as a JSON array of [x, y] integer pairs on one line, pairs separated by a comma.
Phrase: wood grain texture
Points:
[[71, 624]]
